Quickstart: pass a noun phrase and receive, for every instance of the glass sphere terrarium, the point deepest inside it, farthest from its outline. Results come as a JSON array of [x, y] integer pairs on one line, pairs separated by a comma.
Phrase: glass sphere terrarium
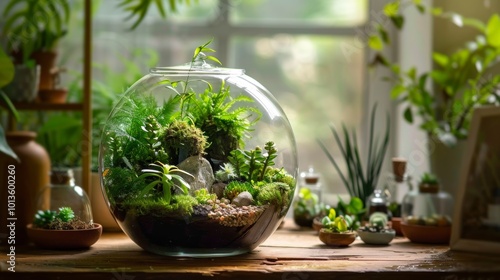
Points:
[[197, 160]]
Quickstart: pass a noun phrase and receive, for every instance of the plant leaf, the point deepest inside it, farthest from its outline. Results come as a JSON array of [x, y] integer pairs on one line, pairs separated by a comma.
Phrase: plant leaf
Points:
[[4, 146], [493, 31], [375, 43], [408, 115]]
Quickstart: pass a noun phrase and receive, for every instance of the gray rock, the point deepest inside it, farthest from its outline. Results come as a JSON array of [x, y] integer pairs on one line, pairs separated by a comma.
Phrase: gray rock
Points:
[[203, 175], [243, 199], [218, 189]]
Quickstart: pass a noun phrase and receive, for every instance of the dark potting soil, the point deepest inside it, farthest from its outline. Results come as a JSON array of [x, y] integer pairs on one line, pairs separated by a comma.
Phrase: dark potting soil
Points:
[[198, 231]]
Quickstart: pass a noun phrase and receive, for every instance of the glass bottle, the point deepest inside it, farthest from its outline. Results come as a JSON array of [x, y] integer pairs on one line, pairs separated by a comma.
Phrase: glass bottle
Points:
[[399, 183], [378, 201], [62, 192], [307, 204]]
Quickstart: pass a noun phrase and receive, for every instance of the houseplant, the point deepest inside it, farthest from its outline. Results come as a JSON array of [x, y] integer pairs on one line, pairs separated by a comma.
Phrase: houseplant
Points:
[[64, 218], [376, 231], [33, 29], [360, 182], [461, 81], [198, 119], [337, 230], [427, 212], [61, 229]]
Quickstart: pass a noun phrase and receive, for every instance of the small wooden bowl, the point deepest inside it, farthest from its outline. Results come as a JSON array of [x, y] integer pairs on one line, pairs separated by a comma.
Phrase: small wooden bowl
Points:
[[427, 234], [336, 239], [64, 239]]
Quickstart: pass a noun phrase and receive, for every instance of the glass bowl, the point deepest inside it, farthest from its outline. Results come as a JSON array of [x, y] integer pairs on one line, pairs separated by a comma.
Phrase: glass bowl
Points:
[[198, 161]]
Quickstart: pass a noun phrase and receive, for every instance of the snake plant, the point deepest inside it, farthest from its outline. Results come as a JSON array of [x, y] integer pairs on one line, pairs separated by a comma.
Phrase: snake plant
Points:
[[359, 182]]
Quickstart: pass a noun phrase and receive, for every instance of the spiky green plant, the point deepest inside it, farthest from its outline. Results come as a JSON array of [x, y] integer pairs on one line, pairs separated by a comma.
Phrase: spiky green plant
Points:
[[44, 218], [164, 177], [428, 178], [360, 182], [65, 214]]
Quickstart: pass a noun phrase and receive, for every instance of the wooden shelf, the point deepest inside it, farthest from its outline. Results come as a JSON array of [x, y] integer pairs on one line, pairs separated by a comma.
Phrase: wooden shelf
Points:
[[49, 106], [290, 253]]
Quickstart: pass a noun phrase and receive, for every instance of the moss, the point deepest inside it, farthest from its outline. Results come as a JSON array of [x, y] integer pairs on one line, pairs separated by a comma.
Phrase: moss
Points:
[[279, 175], [234, 188], [182, 140], [203, 196], [180, 205], [275, 194]]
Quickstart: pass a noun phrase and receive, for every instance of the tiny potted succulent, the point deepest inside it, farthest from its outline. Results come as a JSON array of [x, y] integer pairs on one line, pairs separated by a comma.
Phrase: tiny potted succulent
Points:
[[376, 231], [337, 230], [62, 230]]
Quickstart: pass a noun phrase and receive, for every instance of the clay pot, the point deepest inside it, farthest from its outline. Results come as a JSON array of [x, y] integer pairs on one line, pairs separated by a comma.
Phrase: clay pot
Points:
[[427, 234], [396, 225], [335, 238], [53, 95], [26, 178], [64, 239], [47, 61]]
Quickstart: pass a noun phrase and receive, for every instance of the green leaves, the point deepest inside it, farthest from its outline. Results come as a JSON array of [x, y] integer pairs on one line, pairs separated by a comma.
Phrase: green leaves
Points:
[[138, 9], [493, 31], [44, 219], [35, 25], [163, 176], [6, 69], [204, 48], [252, 165], [359, 182], [375, 43]]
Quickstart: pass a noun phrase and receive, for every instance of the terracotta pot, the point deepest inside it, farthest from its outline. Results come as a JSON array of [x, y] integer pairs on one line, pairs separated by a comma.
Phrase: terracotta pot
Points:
[[28, 178], [47, 61], [427, 234], [53, 95], [336, 239], [65, 239], [396, 225]]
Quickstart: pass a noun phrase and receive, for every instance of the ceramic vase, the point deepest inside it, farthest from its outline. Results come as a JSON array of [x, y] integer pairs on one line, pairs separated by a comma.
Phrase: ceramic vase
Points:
[[24, 180]]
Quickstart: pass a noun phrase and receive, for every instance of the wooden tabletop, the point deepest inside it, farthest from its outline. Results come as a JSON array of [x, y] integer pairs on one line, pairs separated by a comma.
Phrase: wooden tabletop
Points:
[[289, 254]]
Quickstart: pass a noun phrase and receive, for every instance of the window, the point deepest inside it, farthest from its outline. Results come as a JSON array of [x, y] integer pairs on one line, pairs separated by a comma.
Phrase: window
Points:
[[296, 53]]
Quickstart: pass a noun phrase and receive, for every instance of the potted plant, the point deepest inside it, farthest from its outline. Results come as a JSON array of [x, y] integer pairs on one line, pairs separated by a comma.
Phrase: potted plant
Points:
[[33, 29], [354, 209], [427, 212], [337, 230], [360, 182], [62, 230], [175, 168], [462, 80], [377, 232]]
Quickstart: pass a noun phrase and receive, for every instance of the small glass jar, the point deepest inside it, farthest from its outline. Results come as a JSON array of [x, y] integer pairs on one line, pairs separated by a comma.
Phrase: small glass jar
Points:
[[307, 203], [427, 206], [62, 192], [377, 202]]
